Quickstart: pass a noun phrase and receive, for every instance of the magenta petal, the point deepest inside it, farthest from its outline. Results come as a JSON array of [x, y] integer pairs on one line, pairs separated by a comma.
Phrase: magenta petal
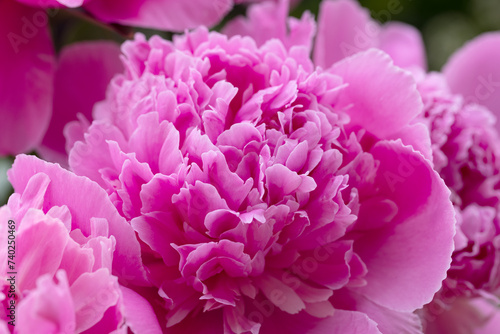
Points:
[[139, 313], [48, 308], [404, 44], [414, 251], [84, 71], [342, 322], [388, 321], [26, 78], [65, 189], [473, 72], [380, 97], [478, 315], [344, 28], [174, 15]]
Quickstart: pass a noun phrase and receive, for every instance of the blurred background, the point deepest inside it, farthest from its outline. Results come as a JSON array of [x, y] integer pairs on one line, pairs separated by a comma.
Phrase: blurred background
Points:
[[445, 25]]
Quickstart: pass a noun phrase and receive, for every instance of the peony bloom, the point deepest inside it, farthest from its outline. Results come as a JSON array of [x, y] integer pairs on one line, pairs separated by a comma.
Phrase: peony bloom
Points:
[[344, 29], [269, 196], [69, 243], [459, 111]]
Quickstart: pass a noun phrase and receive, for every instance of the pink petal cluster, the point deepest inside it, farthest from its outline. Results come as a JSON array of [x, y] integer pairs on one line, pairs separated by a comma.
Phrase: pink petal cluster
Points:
[[466, 147], [269, 196], [459, 111], [67, 250]]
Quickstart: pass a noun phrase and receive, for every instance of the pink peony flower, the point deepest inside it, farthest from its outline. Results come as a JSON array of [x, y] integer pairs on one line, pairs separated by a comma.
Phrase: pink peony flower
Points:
[[465, 147], [69, 240], [344, 29], [269, 196]]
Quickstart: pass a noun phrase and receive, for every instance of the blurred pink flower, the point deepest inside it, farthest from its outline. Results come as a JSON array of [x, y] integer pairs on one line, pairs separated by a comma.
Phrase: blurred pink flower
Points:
[[460, 109], [68, 241], [171, 15], [81, 67], [26, 79], [41, 93], [28, 64], [270, 197], [344, 28]]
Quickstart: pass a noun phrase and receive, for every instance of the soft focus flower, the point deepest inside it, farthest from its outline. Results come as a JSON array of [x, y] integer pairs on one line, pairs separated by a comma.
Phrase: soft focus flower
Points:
[[269, 196], [172, 15], [41, 93], [466, 146], [28, 63], [69, 239], [27, 67], [83, 72], [344, 28], [270, 20]]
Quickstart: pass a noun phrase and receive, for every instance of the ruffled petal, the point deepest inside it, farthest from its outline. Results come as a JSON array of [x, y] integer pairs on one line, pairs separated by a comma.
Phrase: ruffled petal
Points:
[[380, 97], [47, 309], [66, 189]]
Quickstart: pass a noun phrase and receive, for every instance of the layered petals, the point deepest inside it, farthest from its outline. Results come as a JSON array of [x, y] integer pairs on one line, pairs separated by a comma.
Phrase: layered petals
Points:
[[264, 191]]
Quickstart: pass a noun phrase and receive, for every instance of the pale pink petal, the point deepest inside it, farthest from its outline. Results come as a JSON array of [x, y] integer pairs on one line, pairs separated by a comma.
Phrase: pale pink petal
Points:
[[93, 293], [48, 309], [344, 28], [26, 77], [473, 72], [417, 135], [40, 248], [67, 189], [83, 73], [404, 44]]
